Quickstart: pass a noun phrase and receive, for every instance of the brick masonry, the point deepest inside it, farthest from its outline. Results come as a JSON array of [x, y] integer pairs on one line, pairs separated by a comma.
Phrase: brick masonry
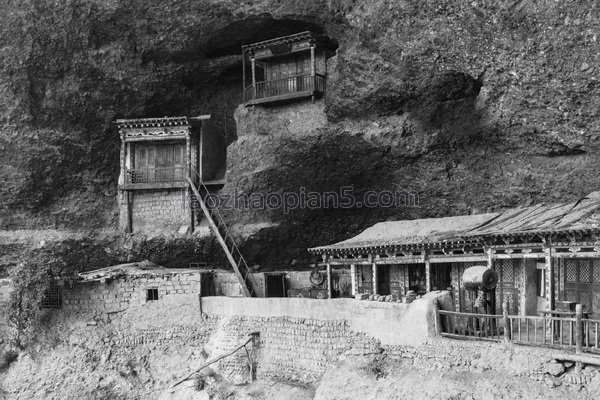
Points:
[[157, 210], [128, 291]]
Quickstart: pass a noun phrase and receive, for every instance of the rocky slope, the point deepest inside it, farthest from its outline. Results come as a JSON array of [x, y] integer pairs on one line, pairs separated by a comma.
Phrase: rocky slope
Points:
[[475, 105]]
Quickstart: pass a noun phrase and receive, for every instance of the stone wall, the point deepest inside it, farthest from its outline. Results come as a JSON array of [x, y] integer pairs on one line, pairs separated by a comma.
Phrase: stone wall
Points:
[[299, 338], [158, 211], [298, 118]]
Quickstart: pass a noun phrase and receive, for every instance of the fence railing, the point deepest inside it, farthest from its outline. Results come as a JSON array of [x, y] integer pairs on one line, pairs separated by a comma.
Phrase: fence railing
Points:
[[152, 175], [572, 331], [285, 86]]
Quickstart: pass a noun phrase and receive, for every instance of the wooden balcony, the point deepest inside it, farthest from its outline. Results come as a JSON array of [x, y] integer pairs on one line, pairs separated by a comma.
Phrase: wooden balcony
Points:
[[280, 90], [155, 178]]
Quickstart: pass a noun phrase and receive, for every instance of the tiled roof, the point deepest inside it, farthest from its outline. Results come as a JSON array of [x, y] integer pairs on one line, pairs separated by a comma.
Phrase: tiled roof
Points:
[[581, 215]]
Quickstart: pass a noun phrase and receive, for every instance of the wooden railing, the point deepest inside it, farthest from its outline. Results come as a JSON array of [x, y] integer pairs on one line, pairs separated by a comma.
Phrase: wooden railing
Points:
[[470, 326], [547, 331], [151, 175], [285, 86]]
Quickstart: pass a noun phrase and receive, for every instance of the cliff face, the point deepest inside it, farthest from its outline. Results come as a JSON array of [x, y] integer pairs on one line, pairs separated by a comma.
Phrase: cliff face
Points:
[[476, 106]]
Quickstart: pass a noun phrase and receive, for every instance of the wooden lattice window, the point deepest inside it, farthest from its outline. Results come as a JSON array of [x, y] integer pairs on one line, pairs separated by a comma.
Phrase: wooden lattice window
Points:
[[582, 270], [395, 275], [571, 270], [52, 297], [505, 270], [585, 271], [364, 279], [596, 271]]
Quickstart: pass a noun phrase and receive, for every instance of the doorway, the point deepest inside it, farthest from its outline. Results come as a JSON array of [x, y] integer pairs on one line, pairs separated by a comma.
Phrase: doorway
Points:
[[440, 276]]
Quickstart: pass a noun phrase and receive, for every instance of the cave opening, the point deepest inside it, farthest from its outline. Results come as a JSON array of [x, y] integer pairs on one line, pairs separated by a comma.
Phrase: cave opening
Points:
[[208, 77]]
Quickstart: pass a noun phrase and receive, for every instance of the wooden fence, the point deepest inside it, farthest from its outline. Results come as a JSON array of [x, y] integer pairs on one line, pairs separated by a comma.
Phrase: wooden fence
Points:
[[576, 332]]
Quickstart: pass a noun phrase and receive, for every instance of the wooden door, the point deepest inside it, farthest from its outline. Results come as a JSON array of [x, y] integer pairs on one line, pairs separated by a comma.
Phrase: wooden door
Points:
[[508, 289], [383, 279], [440, 276]]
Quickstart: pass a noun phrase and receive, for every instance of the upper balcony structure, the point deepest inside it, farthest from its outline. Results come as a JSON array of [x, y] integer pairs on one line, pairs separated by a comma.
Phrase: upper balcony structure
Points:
[[161, 153], [286, 68]]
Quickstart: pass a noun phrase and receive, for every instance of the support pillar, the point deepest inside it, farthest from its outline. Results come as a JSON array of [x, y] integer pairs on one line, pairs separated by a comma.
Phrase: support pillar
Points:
[[313, 69], [253, 78], [191, 175], [375, 283], [427, 272], [244, 74], [549, 268], [353, 279], [329, 291]]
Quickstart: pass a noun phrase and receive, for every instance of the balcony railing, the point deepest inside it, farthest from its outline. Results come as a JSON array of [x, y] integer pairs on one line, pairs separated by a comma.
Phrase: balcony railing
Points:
[[156, 175], [291, 87]]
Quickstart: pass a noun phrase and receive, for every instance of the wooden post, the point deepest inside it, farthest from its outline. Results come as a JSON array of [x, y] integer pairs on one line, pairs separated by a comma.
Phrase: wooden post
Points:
[[578, 328], [438, 317], [253, 78], [123, 159], [244, 73], [490, 258], [129, 207], [200, 292], [549, 285], [375, 283], [188, 155], [427, 273], [329, 291], [506, 321], [313, 69], [353, 278]]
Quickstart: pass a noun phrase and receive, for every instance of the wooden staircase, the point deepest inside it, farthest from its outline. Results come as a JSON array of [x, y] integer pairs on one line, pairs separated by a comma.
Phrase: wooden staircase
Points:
[[218, 226]]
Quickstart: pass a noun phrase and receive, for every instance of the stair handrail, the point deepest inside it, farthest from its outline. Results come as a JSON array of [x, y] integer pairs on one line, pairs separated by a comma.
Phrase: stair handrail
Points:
[[247, 279]]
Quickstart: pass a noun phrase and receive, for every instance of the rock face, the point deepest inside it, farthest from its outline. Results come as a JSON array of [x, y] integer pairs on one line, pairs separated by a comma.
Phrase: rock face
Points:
[[474, 106]]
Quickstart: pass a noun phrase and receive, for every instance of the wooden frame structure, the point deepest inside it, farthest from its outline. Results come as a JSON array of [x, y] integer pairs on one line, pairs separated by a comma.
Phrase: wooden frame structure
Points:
[[292, 67], [162, 154], [557, 247]]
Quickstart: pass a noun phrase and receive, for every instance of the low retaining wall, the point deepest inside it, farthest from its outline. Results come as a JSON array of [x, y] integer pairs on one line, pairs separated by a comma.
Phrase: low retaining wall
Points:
[[389, 323]]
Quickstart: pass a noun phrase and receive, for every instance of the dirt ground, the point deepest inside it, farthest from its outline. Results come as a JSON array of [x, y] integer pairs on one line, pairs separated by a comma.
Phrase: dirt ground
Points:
[[366, 379]]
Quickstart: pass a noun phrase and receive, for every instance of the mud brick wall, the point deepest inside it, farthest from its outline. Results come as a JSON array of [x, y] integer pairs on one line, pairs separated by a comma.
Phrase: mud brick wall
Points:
[[289, 348], [127, 291], [165, 210]]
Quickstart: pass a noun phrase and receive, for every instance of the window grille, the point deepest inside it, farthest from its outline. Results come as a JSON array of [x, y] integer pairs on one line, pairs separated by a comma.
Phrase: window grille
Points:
[[52, 297], [152, 294]]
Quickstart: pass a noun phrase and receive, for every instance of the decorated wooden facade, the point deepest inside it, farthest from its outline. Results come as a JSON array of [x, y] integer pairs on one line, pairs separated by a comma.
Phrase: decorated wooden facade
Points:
[[546, 257], [285, 68], [158, 155]]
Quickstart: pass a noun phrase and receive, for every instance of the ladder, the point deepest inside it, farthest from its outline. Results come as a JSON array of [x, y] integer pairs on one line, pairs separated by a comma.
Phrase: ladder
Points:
[[225, 239]]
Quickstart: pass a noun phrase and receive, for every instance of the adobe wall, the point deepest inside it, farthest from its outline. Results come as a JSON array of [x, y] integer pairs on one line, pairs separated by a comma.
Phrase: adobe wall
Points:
[[127, 291], [156, 211], [299, 338]]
